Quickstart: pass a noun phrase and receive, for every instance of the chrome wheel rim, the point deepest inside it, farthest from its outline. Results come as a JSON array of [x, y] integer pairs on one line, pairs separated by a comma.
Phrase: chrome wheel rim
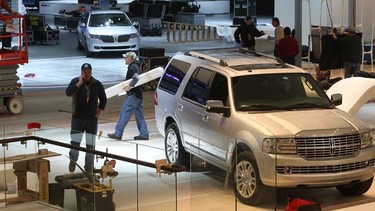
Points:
[[172, 146], [245, 179]]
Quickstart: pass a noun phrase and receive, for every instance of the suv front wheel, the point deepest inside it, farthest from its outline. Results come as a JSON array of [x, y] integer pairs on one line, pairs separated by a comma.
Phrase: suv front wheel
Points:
[[355, 189], [174, 150], [248, 187]]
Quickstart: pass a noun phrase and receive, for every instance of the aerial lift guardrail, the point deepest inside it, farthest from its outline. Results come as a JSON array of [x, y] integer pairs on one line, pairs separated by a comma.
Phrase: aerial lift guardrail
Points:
[[13, 52]]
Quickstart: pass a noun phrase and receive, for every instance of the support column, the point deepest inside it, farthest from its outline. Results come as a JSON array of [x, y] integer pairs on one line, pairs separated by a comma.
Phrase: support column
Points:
[[298, 28], [352, 14]]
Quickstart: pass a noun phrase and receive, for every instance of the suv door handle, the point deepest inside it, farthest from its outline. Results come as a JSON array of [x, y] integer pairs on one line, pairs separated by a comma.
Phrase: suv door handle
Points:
[[180, 107], [205, 118]]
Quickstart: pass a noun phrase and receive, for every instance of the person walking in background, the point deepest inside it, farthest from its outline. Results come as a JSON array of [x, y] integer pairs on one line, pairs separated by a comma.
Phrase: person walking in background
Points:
[[6, 41], [246, 33], [352, 51], [88, 102], [5, 6], [288, 47], [278, 34], [132, 103], [323, 77]]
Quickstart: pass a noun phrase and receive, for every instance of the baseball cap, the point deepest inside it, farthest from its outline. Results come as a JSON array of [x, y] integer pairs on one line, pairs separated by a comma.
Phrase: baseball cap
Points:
[[86, 66], [131, 55], [351, 29]]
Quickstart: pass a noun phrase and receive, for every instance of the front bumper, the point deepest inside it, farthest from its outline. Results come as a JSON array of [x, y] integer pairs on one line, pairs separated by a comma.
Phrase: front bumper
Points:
[[95, 45], [294, 171]]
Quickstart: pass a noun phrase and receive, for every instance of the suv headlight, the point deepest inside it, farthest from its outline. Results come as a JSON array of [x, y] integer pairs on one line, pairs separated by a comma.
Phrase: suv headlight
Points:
[[279, 146], [135, 35], [366, 140], [94, 36]]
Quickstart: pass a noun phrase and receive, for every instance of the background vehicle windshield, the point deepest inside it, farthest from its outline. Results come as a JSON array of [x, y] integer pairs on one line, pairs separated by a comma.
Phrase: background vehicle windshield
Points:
[[278, 91], [100, 20]]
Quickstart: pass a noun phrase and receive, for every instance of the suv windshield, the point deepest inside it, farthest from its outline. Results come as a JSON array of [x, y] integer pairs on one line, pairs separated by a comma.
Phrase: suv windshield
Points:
[[100, 20], [278, 92]]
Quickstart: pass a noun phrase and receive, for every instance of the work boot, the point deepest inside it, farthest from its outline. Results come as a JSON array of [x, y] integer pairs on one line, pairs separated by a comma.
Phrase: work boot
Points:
[[113, 136], [140, 138], [72, 166]]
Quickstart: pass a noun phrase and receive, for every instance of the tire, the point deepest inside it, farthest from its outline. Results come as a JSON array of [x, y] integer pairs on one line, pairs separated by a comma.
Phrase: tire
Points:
[[88, 53], [355, 189], [174, 150], [14, 105], [248, 187], [79, 45]]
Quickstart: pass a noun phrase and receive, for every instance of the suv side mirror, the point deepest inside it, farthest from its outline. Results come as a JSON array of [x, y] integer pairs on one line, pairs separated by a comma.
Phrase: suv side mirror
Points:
[[136, 25], [336, 99], [217, 106]]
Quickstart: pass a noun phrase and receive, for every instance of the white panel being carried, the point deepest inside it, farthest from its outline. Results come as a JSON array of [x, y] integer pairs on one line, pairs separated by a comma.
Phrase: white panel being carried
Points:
[[356, 92], [143, 78]]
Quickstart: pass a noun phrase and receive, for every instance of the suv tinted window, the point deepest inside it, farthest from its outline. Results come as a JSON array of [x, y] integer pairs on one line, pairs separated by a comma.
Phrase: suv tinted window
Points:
[[197, 87], [173, 76], [219, 89]]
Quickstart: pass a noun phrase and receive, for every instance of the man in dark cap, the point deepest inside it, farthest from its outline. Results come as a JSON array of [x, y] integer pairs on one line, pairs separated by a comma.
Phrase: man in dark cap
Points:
[[88, 102], [246, 33], [352, 51]]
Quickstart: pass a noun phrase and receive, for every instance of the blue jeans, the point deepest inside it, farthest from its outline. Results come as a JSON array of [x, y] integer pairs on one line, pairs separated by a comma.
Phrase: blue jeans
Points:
[[131, 105], [78, 127], [351, 69]]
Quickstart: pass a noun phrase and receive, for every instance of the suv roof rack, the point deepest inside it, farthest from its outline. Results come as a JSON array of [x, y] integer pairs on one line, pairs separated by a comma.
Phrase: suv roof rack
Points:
[[255, 53], [221, 62]]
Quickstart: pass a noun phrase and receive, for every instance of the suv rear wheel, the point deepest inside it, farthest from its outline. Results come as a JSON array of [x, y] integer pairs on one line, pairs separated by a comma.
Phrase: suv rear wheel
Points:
[[79, 45], [248, 187], [355, 189], [174, 150]]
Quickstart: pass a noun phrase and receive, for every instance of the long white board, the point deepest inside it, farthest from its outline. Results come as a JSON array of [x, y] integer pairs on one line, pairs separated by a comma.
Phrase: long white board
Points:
[[143, 78]]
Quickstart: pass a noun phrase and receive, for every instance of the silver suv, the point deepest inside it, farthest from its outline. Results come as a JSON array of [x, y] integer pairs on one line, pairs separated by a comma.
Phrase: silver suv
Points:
[[267, 123]]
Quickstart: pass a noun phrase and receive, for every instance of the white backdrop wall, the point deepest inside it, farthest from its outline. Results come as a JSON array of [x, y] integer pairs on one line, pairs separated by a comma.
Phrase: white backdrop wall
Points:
[[207, 7], [284, 10]]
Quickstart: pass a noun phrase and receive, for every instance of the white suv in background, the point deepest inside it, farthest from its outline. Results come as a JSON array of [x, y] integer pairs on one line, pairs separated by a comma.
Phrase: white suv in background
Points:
[[270, 124]]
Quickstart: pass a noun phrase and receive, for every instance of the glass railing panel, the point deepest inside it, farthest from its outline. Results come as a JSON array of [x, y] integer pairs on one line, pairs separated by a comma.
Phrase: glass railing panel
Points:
[[209, 185], [115, 183], [252, 178], [19, 172], [72, 187], [111, 175], [156, 191]]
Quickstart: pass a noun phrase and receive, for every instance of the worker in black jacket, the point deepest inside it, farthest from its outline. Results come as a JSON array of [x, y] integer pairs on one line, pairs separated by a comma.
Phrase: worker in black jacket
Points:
[[88, 102], [246, 33], [352, 51]]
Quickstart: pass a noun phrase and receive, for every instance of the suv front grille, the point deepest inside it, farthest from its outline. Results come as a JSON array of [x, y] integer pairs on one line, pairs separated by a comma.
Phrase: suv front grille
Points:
[[107, 38], [328, 147], [324, 169], [123, 38]]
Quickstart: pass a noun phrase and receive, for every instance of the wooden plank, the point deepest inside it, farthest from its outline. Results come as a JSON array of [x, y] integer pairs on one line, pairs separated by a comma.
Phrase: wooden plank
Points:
[[25, 157]]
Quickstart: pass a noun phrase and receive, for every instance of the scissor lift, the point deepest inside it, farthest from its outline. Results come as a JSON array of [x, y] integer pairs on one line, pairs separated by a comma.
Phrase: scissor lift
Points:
[[13, 52]]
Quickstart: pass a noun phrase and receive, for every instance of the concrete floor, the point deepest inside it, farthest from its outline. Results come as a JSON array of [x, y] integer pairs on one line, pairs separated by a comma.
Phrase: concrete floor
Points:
[[201, 189]]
